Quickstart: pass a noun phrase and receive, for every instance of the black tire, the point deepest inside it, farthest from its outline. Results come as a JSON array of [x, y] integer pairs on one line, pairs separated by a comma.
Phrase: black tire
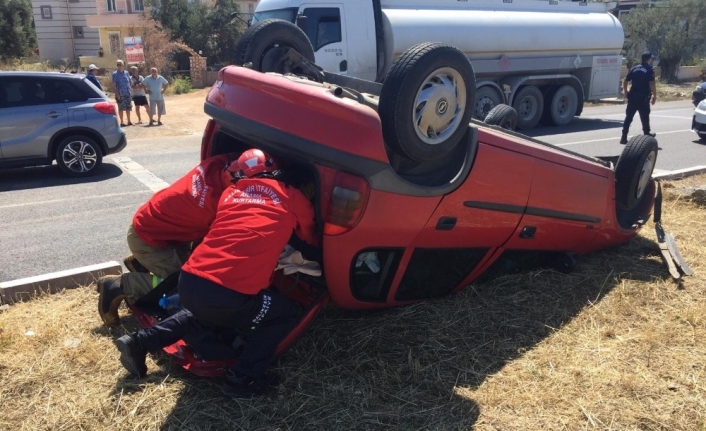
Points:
[[264, 44], [529, 104], [427, 66], [502, 115], [634, 171], [78, 156], [487, 98], [561, 107]]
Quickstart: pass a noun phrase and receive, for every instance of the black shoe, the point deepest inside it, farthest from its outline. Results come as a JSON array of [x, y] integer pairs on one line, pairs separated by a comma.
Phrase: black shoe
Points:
[[110, 297], [623, 141], [134, 265], [246, 386], [132, 355], [653, 134]]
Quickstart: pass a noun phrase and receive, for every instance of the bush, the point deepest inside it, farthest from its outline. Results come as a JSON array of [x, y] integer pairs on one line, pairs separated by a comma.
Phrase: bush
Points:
[[181, 85]]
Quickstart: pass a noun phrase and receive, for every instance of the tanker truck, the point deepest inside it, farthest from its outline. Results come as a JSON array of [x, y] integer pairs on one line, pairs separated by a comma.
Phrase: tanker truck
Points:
[[543, 58]]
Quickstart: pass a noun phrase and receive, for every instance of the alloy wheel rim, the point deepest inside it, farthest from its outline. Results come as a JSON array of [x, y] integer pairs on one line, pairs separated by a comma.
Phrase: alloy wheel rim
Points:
[[79, 156]]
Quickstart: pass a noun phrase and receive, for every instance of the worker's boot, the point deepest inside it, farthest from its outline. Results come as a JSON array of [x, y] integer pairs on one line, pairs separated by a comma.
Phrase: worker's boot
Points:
[[239, 385], [133, 265], [653, 134], [110, 296], [624, 137], [132, 354]]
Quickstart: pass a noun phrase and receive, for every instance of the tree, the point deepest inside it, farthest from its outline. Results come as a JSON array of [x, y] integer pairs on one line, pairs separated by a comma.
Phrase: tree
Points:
[[203, 27], [17, 36], [672, 30]]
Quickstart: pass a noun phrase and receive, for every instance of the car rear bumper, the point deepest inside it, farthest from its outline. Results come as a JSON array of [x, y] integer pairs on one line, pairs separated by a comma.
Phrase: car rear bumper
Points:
[[122, 143]]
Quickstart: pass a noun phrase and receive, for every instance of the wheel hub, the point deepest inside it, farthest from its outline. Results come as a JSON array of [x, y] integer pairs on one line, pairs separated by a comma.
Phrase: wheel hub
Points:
[[79, 156], [439, 105]]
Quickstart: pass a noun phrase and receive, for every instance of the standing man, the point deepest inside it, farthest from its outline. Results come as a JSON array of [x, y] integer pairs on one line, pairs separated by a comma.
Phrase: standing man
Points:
[[224, 284], [121, 83], [138, 92], [91, 77], [162, 231], [155, 86], [642, 77]]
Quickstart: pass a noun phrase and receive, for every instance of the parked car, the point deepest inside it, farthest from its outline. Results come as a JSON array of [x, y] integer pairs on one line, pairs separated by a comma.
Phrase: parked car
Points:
[[698, 124], [698, 94], [46, 116], [414, 200]]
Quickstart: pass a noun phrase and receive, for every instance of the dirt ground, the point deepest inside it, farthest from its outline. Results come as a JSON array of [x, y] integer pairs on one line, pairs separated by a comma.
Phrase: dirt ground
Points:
[[184, 117]]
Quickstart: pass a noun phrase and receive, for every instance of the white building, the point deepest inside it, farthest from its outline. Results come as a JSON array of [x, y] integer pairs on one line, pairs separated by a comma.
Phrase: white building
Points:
[[61, 28]]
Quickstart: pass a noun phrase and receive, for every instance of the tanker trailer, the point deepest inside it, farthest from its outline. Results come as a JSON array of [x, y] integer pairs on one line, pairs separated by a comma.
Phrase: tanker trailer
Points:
[[544, 58]]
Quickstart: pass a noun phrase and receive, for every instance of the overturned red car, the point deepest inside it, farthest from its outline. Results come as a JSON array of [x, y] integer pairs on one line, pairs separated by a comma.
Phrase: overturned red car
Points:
[[414, 199]]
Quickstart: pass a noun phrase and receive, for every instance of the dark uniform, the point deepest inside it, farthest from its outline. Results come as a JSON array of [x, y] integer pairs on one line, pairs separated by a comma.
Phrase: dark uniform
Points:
[[639, 96]]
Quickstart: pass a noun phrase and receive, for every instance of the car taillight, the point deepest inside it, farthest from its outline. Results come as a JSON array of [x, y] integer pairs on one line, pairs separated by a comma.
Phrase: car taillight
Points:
[[207, 139], [348, 201], [105, 108]]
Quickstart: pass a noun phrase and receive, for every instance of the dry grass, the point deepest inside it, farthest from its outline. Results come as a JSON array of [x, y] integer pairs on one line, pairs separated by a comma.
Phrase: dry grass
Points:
[[677, 91], [615, 345]]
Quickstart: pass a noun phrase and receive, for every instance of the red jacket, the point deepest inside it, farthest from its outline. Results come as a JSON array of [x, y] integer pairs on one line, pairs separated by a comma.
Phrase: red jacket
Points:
[[184, 211], [255, 219]]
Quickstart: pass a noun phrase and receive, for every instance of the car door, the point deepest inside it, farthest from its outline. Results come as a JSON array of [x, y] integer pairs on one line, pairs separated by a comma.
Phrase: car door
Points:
[[29, 119], [326, 30]]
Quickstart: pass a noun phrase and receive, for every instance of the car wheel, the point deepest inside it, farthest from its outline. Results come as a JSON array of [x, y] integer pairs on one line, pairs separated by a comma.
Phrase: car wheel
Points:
[[528, 103], [78, 156], [487, 98], [426, 101], [502, 115], [633, 171], [562, 105], [265, 44]]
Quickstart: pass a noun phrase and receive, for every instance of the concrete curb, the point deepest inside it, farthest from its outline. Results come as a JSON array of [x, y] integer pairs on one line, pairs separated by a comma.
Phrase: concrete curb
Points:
[[25, 288], [679, 173]]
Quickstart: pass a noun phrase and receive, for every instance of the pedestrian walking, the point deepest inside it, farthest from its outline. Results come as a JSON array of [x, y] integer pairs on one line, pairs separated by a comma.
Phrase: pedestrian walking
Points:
[[137, 89], [642, 92], [92, 77], [155, 86], [121, 84]]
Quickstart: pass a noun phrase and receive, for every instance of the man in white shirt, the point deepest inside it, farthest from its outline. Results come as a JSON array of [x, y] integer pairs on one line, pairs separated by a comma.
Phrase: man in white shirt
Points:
[[155, 85]]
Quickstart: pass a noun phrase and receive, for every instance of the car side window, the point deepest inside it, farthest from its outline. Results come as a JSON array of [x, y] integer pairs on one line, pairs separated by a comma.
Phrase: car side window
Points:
[[64, 91], [324, 26], [24, 92]]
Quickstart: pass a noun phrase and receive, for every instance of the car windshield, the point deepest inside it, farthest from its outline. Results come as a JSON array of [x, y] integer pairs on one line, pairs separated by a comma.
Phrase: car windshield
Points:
[[286, 14]]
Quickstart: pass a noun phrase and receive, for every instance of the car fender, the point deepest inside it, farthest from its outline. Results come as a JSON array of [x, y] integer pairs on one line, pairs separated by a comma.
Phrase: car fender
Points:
[[61, 134]]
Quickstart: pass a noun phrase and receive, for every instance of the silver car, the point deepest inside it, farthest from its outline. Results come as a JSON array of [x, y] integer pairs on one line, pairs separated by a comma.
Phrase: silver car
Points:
[[47, 116]]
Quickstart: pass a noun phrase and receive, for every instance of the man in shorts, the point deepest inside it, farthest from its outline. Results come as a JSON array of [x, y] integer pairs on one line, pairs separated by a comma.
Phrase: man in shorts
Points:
[[155, 86], [138, 92], [121, 84]]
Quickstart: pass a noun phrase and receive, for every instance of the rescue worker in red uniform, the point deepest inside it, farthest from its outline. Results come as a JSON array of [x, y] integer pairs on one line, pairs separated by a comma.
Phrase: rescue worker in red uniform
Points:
[[224, 284], [162, 231]]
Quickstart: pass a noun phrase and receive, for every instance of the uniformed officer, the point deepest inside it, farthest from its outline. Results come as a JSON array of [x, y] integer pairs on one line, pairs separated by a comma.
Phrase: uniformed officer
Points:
[[641, 94]]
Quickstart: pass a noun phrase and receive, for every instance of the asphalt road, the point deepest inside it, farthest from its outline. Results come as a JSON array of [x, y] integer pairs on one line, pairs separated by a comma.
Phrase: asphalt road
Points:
[[53, 223]]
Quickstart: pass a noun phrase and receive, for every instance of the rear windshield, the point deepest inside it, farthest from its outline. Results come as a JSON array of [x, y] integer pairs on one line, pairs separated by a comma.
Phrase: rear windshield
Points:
[[286, 14]]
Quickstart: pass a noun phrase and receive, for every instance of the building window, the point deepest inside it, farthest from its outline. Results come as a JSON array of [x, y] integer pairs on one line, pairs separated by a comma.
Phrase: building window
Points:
[[138, 5], [46, 12], [114, 42], [110, 5], [78, 32]]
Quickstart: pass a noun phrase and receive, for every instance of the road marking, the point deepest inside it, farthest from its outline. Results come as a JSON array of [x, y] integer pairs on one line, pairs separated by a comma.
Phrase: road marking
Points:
[[622, 114], [671, 116], [616, 139], [74, 199], [152, 181]]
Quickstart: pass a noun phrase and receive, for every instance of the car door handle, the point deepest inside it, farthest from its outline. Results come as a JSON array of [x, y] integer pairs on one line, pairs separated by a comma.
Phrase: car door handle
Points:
[[54, 114]]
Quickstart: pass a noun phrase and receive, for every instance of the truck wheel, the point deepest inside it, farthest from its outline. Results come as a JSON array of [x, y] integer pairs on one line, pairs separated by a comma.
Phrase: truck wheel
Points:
[[487, 98], [78, 156], [633, 171], [426, 101], [562, 105], [265, 43], [502, 115], [528, 103]]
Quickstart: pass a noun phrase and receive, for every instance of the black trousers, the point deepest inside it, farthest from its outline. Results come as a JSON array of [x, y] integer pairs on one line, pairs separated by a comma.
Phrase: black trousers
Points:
[[209, 306], [641, 104]]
